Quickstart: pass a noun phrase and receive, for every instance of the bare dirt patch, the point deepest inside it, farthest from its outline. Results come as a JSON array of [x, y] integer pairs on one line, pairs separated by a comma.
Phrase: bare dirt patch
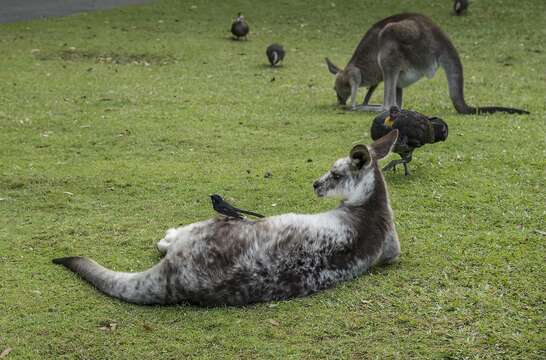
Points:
[[76, 55]]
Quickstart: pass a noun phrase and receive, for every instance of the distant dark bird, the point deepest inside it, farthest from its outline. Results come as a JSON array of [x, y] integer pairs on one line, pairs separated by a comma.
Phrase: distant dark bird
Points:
[[460, 6], [415, 130], [275, 54], [239, 28], [223, 207]]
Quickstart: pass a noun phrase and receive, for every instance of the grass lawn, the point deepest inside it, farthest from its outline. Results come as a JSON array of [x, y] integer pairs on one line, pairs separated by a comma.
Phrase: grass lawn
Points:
[[116, 125]]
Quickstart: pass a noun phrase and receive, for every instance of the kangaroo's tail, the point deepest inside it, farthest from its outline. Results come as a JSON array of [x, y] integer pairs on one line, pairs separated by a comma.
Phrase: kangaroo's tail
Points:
[[453, 68], [146, 288], [494, 109]]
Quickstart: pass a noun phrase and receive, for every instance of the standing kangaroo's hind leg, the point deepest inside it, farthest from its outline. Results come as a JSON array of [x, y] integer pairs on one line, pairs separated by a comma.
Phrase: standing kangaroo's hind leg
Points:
[[389, 60], [390, 95], [393, 59], [375, 108], [399, 93]]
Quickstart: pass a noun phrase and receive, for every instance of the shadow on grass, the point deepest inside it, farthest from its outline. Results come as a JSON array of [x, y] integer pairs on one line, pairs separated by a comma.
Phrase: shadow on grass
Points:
[[265, 65], [332, 107], [384, 269], [234, 39], [398, 178]]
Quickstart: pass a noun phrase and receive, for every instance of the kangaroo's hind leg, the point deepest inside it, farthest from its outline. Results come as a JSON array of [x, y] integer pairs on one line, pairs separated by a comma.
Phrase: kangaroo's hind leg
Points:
[[163, 245], [182, 234], [173, 235], [391, 248]]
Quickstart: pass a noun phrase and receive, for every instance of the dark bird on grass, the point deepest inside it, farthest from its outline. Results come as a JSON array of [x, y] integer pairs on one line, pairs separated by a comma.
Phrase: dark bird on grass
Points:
[[239, 28], [415, 130], [460, 6], [275, 54], [223, 207]]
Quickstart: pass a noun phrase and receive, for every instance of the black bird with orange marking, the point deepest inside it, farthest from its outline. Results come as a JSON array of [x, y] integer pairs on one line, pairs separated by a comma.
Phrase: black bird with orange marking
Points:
[[415, 130]]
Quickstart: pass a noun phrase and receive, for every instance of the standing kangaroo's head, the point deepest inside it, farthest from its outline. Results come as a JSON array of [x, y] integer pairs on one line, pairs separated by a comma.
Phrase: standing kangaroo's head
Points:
[[347, 80], [352, 178]]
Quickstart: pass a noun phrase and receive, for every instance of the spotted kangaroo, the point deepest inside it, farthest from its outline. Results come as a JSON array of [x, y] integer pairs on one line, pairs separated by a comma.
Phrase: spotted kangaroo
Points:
[[226, 261]]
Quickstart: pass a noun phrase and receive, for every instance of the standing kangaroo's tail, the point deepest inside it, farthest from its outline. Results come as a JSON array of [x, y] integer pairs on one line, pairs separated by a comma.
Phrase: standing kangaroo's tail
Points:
[[453, 68], [145, 288]]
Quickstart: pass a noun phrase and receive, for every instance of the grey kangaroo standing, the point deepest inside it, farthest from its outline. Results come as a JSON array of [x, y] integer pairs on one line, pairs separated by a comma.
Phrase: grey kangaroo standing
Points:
[[236, 262], [400, 50]]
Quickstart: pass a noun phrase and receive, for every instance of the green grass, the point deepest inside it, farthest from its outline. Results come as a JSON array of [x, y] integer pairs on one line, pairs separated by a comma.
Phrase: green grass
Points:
[[116, 125]]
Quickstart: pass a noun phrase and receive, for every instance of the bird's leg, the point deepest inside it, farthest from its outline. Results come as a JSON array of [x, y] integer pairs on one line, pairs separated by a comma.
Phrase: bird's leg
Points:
[[407, 158], [392, 164], [406, 171]]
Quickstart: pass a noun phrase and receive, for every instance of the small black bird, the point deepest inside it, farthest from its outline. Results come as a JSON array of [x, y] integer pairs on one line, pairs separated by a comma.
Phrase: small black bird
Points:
[[415, 130], [239, 28], [275, 54], [460, 6], [223, 207]]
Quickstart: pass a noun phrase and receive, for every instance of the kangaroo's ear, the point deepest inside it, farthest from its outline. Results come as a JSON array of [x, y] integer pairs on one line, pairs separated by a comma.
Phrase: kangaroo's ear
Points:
[[331, 67], [359, 156], [383, 146]]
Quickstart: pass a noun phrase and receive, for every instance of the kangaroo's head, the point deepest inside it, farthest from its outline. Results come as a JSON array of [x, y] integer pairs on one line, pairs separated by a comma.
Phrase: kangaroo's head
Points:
[[346, 80], [352, 178]]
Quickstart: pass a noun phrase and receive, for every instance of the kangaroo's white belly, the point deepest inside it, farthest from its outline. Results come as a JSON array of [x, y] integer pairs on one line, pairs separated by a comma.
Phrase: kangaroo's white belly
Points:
[[411, 75]]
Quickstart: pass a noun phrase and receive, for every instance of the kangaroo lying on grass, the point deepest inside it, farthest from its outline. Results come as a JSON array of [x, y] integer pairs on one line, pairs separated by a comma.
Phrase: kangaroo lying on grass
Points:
[[400, 50], [225, 261]]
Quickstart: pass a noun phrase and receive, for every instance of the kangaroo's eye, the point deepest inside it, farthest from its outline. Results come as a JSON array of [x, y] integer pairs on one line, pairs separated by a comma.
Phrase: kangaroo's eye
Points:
[[336, 176]]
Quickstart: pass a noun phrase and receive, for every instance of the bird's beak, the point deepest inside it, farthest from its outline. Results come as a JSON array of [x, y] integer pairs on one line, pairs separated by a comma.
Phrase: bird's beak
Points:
[[388, 121]]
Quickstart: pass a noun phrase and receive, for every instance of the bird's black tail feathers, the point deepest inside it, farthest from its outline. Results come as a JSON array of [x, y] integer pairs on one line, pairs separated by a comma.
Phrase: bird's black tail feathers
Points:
[[251, 213]]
